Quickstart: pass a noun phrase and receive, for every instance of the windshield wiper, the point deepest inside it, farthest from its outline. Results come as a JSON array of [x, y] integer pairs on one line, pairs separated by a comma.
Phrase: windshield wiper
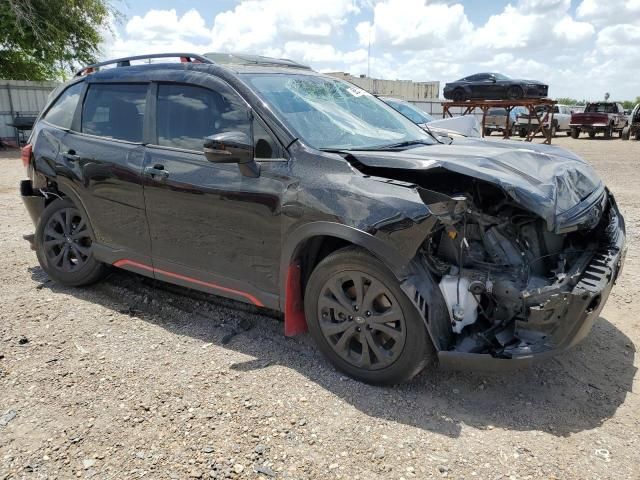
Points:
[[393, 146]]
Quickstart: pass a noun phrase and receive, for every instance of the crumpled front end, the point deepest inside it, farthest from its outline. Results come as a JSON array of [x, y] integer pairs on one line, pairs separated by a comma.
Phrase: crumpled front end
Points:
[[514, 291]]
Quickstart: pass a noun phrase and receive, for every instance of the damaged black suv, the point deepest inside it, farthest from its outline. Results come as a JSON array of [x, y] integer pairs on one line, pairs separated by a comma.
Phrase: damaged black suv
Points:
[[261, 180]]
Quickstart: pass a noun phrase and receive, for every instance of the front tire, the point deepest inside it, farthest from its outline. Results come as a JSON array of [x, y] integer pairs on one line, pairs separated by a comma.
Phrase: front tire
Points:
[[63, 241], [363, 322]]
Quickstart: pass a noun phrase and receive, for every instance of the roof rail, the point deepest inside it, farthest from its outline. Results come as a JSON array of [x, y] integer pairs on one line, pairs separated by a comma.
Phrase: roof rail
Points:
[[250, 59], [126, 61]]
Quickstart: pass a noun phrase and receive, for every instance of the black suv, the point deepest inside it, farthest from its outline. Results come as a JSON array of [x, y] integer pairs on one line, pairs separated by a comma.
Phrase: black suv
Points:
[[261, 180]]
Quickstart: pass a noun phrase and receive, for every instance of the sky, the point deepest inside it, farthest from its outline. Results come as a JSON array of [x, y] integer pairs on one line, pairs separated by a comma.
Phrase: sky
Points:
[[581, 48]]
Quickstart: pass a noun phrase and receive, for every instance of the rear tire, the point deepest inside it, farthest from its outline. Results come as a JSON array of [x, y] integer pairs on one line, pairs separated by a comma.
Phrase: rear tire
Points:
[[487, 132], [459, 95], [575, 133], [592, 134], [376, 336], [625, 133], [608, 133], [63, 242], [515, 93], [522, 133]]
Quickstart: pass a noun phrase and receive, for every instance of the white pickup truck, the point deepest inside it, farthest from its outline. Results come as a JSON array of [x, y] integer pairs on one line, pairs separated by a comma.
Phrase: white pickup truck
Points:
[[561, 120]]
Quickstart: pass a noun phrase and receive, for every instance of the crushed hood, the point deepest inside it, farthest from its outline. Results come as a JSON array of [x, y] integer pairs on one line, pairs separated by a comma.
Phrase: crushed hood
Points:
[[547, 180]]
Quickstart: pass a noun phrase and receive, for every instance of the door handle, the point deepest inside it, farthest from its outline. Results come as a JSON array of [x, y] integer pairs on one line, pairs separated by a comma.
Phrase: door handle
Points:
[[157, 171], [71, 156]]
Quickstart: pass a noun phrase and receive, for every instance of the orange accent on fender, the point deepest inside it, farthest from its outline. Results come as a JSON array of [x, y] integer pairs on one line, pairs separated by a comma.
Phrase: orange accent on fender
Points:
[[294, 319], [125, 261], [25, 154]]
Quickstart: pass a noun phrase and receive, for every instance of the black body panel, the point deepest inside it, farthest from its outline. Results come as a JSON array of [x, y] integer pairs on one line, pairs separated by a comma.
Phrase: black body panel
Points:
[[172, 214]]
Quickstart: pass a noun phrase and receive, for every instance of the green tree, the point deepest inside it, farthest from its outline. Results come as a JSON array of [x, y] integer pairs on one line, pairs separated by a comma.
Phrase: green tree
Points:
[[46, 39], [567, 101]]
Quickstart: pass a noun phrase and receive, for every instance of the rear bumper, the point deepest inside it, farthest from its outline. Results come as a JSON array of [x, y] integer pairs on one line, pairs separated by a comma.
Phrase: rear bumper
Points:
[[560, 318], [590, 126], [34, 203]]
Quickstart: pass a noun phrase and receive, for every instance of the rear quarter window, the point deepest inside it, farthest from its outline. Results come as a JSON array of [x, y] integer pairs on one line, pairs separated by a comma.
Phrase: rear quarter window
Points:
[[61, 112], [115, 111]]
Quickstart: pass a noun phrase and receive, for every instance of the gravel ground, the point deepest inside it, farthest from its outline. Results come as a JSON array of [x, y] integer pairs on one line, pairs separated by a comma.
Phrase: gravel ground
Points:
[[127, 379]]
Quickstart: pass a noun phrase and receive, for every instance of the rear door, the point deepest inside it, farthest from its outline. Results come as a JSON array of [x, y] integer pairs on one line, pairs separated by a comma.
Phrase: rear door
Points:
[[50, 131], [105, 158], [211, 227]]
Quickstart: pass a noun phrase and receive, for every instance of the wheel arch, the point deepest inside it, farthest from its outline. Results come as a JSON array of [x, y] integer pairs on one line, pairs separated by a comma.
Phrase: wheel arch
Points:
[[306, 246]]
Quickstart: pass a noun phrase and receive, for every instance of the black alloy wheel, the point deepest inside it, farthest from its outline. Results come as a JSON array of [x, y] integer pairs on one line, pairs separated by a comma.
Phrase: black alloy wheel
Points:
[[361, 319], [64, 244], [67, 241]]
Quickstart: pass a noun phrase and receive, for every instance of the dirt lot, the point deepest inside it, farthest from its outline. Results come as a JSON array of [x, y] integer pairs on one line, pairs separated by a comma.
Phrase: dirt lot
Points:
[[124, 380]]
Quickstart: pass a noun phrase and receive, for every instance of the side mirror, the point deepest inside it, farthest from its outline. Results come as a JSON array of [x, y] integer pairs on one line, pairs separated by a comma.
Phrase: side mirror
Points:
[[232, 147]]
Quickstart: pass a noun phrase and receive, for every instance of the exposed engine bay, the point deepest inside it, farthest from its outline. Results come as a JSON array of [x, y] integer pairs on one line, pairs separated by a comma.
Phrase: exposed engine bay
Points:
[[497, 264]]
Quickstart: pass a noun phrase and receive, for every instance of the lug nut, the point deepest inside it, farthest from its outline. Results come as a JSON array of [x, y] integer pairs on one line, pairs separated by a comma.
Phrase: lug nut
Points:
[[368, 313]]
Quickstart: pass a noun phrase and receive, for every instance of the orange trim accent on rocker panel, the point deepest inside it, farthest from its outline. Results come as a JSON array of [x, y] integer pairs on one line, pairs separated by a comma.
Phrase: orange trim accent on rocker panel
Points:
[[125, 261]]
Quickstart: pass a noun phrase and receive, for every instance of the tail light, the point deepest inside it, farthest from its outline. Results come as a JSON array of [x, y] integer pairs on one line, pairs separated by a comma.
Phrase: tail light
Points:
[[26, 154]]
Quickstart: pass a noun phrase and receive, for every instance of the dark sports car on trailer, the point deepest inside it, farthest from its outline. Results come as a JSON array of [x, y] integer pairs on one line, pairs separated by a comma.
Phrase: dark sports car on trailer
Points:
[[493, 86]]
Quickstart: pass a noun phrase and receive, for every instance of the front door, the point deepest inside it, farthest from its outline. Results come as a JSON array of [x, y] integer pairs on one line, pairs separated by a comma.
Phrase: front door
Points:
[[211, 227]]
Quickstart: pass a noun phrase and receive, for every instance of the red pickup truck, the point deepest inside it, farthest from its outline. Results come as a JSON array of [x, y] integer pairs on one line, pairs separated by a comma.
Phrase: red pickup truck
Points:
[[599, 117]]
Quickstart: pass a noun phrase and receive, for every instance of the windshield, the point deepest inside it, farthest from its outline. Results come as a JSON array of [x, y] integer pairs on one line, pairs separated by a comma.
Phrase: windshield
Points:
[[331, 114], [412, 113]]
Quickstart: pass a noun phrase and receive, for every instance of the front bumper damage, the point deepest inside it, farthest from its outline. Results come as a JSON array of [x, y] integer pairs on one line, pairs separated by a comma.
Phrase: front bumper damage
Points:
[[561, 315]]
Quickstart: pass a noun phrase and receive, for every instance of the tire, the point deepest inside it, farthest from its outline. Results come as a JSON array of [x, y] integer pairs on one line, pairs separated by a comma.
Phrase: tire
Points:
[[459, 95], [625, 133], [401, 347], [608, 133], [575, 132], [637, 137], [515, 92], [592, 134], [63, 242], [522, 133], [554, 130], [487, 132], [569, 133]]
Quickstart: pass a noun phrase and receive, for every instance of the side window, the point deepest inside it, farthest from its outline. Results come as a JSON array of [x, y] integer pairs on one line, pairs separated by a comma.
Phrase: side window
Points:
[[115, 111], [186, 114], [556, 109], [264, 144], [61, 113]]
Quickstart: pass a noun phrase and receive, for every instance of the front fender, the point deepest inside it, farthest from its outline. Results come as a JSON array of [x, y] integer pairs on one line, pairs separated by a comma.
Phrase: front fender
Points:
[[395, 260]]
